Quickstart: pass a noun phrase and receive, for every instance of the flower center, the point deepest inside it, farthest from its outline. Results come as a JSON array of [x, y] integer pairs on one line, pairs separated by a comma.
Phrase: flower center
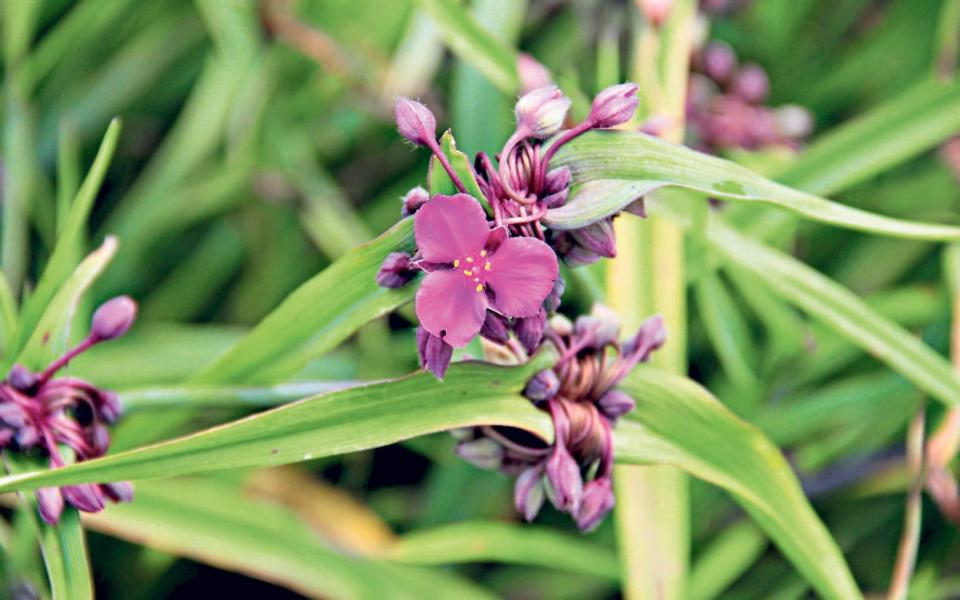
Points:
[[476, 268]]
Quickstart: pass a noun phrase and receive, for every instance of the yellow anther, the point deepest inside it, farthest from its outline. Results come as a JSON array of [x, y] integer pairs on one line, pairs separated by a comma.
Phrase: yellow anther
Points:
[[467, 272], [487, 267], [483, 253], [469, 259], [456, 263], [479, 287]]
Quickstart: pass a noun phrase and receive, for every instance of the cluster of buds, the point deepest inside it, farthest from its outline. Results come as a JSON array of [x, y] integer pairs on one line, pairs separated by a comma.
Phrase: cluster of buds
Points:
[[580, 394], [725, 106], [39, 411]]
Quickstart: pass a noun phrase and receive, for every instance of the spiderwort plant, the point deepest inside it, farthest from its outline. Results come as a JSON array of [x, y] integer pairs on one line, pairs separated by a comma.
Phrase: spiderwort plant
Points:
[[39, 411]]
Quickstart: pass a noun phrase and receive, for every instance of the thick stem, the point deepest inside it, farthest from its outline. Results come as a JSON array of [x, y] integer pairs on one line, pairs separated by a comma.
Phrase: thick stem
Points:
[[565, 137], [445, 163]]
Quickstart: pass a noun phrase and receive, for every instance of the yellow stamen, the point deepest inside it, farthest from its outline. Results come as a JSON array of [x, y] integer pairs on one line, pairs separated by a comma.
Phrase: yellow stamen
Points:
[[483, 253], [456, 263], [487, 267], [467, 272], [469, 259], [479, 287]]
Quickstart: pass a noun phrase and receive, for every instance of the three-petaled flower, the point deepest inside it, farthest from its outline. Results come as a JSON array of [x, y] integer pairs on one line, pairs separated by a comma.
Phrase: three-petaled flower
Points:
[[472, 268]]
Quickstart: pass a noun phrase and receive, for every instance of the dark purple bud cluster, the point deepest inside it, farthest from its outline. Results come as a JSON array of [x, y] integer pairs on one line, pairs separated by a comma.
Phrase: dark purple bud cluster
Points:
[[580, 394], [38, 411], [725, 106]]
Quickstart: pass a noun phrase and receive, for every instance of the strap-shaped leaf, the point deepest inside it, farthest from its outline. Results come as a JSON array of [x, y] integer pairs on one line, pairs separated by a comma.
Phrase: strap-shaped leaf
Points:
[[678, 422], [631, 164], [336, 423]]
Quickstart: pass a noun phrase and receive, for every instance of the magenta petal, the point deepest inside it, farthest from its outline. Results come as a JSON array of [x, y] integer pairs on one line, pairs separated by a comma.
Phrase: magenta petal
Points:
[[450, 227], [522, 275], [450, 307]]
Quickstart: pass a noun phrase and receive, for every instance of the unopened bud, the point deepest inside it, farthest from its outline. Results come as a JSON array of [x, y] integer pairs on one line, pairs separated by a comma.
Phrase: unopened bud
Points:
[[435, 354], [597, 501], [598, 238], [414, 199], [566, 483], [598, 331], [614, 404], [557, 180], [50, 504], [532, 73], [110, 407], [113, 318], [529, 330], [84, 496], [652, 335], [495, 328], [578, 256], [415, 121], [794, 122], [541, 113], [751, 84], [656, 11], [120, 491], [718, 61], [552, 301], [396, 270], [528, 493], [21, 378], [483, 453], [614, 105], [543, 386]]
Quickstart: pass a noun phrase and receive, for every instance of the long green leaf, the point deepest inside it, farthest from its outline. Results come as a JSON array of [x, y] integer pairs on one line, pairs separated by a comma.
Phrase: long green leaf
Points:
[[502, 542], [698, 434], [336, 423], [61, 262], [611, 169], [474, 44], [318, 315], [50, 335], [191, 518]]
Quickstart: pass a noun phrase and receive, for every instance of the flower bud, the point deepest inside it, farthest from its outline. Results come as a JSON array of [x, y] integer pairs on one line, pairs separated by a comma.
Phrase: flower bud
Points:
[[113, 319], [578, 256], [638, 207], [614, 404], [552, 301], [21, 378], [656, 11], [495, 328], [529, 330], [793, 122], [110, 407], [435, 354], [84, 496], [414, 199], [119, 491], [563, 476], [614, 105], [528, 493], [27, 436], [599, 331], [718, 61], [532, 73], [483, 453], [598, 238], [598, 500], [396, 270], [543, 386], [50, 504], [541, 113], [652, 335], [557, 180], [415, 121], [751, 84]]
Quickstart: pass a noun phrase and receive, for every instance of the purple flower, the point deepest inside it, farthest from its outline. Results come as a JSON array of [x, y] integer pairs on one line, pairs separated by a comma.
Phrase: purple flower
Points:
[[614, 106], [473, 268]]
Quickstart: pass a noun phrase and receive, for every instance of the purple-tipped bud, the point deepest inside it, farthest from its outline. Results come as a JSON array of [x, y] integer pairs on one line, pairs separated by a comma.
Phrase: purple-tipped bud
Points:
[[543, 386], [483, 453], [415, 121], [84, 496], [578, 256], [120, 491], [12, 415], [556, 199], [557, 180], [598, 238], [652, 335], [21, 378], [110, 407], [50, 504], [532, 73], [435, 354], [751, 84], [614, 105], [529, 330], [637, 207], [414, 199], [528, 493], [541, 113], [552, 301], [599, 331], [113, 318], [566, 483], [597, 501], [718, 61], [495, 328], [656, 11], [614, 404], [396, 270]]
